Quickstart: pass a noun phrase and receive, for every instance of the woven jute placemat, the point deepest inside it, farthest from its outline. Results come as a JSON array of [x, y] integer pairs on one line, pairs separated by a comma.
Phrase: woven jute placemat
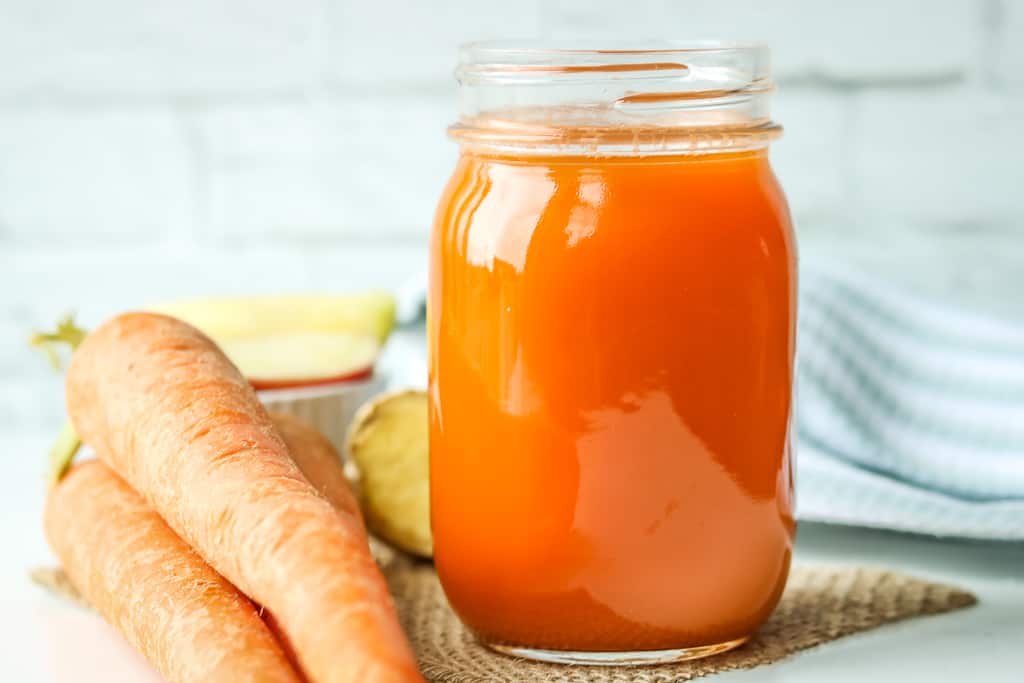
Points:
[[820, 604]]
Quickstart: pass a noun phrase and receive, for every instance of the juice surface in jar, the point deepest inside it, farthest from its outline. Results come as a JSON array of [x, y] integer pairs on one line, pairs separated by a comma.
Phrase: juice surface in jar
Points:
[[612, 343]]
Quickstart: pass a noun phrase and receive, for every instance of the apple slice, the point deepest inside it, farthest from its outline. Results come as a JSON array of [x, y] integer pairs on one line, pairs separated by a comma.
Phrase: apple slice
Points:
[[301, 359], [223, 318]]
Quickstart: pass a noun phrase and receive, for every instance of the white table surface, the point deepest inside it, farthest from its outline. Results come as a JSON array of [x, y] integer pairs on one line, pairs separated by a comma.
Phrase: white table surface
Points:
[[46, 640]]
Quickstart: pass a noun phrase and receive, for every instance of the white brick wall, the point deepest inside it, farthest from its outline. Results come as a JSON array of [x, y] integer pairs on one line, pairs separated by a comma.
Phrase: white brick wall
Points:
[[149, 150], [79, 174], [368, 168], [390, 44], [264, 121], [108, 48], [941, 158], [871, 41], [1009, 55], [811, 158]]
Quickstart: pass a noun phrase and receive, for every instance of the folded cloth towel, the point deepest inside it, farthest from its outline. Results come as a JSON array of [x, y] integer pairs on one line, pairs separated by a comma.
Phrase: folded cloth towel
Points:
[[910, 412]]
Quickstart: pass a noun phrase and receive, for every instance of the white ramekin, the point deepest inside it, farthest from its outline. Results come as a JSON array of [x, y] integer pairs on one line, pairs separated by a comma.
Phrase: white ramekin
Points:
[[330, 408]]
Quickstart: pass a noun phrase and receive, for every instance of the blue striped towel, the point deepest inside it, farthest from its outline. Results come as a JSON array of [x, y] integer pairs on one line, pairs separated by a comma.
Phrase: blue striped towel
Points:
[[910, 412]]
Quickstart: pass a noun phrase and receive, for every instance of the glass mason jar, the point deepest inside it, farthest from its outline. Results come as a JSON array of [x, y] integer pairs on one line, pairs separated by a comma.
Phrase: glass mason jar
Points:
[[612, 310]]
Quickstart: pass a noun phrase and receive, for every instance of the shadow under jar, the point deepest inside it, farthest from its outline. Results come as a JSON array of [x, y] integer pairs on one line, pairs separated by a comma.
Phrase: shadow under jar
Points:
[[612, 310]]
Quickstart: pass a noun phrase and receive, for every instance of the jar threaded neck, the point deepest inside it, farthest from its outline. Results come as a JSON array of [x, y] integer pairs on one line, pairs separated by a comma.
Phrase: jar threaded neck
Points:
[[659, 98]]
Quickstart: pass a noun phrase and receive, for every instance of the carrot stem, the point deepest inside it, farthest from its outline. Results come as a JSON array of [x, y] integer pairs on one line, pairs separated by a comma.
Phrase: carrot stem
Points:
[[66, 447], [67, 333], [62, 453]]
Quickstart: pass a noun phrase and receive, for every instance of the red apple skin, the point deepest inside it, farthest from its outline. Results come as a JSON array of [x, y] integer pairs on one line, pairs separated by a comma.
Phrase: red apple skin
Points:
[[354, 376]]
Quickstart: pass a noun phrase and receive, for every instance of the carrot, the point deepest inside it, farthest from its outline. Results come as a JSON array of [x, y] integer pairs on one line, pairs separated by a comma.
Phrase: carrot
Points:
[[163, 406], [319, 461], [186, 619], [316, 458]]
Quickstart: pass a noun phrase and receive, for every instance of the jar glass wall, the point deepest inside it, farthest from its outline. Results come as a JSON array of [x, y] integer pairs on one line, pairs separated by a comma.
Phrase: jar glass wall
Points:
[[612, 334]]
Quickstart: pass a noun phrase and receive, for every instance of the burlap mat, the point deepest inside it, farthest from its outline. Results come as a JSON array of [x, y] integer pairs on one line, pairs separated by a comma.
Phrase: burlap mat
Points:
[[820, 604]]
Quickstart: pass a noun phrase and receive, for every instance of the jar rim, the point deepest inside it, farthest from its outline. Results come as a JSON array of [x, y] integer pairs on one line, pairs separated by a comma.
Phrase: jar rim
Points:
[[607, 47], [525, 61], [656, 93]]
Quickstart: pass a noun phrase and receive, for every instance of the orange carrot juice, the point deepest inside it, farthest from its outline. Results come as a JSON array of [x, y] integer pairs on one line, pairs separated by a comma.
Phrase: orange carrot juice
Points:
[[612, 344]]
